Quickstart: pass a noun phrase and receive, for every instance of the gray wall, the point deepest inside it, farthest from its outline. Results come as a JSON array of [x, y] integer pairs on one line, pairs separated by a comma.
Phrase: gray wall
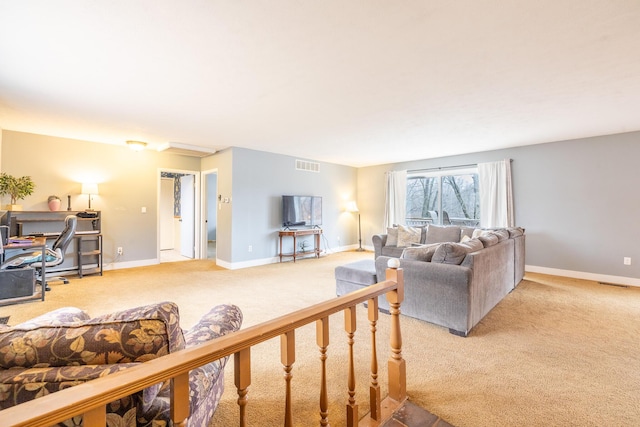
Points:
[[259, 181], [578, 201]]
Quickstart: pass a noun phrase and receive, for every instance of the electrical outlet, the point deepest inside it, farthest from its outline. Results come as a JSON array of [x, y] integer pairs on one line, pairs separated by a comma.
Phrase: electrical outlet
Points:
[[250, 248], [119, 250], [338, 239], [627, 260]]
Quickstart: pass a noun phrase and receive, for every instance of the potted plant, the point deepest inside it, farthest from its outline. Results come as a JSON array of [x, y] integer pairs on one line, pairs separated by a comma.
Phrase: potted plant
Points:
[[16, 188]]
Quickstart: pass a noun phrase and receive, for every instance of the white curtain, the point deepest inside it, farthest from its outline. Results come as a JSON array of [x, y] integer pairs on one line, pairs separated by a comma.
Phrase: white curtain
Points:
[[395, 198], [496, 194]]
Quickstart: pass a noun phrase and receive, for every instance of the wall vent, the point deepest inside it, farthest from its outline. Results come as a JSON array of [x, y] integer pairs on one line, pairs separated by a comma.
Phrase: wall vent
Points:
[[303, 165]]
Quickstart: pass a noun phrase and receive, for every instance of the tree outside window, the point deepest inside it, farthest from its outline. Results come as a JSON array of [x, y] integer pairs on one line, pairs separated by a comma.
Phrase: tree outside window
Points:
[[443, 198]]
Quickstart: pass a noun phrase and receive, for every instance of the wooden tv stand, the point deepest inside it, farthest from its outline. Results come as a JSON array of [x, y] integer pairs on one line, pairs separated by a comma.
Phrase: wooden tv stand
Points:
[[295, 234]]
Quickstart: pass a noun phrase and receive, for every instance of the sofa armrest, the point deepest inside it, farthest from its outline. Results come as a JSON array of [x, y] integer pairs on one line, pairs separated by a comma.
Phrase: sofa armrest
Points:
[[379, 240], [219, 321]]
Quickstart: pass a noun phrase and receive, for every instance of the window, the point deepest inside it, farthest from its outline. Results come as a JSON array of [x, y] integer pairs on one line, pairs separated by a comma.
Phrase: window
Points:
[[443, 197]]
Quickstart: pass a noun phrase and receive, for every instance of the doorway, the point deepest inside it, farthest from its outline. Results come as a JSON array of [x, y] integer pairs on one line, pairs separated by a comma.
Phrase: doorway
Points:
[[177, 216]]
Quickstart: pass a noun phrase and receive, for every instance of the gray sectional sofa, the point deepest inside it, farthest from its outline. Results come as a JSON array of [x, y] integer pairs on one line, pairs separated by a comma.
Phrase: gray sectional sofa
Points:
[[453, 283]]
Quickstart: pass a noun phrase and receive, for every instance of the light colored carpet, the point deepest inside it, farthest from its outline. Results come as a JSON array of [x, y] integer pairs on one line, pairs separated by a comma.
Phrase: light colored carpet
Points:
[[555, 351]]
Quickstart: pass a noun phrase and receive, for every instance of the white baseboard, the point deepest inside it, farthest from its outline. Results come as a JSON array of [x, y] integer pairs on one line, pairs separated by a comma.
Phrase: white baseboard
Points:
[[130, 264], [276, 259], [618, 280], [246, 264]]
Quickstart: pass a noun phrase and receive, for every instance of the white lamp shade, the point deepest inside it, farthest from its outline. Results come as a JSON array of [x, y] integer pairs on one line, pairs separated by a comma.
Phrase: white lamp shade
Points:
[[89, 188], [352, 206]]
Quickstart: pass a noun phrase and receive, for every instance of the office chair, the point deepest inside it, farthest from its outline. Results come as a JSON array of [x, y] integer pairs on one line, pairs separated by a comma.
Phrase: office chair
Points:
[[54, 255]]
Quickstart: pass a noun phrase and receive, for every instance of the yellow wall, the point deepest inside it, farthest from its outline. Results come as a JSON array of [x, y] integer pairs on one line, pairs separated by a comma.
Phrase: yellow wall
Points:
[[127, 181]]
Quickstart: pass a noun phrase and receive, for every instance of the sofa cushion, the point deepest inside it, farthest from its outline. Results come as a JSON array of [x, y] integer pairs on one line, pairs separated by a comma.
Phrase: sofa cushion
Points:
[[391, 251], [408, 235], [489, 239], [136, 335], [515, 232], [502, 234], [392, 236], [57, 317], [420, 253], [466, 231], [454, 253], [440, 234]]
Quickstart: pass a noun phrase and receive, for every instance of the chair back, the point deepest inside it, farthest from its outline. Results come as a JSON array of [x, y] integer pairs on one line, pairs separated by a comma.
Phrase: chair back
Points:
[[445, 218], [63, 240]]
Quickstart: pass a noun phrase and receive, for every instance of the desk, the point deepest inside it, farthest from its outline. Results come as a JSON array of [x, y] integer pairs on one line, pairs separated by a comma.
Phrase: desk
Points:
[[38, 243], [305, 232]]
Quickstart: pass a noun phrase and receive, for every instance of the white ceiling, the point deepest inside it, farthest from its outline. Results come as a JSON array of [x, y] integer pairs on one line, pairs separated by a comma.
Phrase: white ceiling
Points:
[[355, 82]]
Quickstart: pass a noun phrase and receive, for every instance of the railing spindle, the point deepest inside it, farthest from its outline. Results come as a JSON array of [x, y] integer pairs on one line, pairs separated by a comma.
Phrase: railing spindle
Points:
[[180, 399], [90, 399], [350, 328], [396, 365], [96, 417], [374, 388], [288, 357], [242, 375], [322, 338]]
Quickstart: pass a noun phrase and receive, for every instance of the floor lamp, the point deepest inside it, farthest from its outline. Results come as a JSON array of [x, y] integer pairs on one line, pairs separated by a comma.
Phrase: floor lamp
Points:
[[353, 208]]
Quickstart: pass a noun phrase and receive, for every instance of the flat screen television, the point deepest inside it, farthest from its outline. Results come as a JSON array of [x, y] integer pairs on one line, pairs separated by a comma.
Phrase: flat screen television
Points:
[[301, 211]]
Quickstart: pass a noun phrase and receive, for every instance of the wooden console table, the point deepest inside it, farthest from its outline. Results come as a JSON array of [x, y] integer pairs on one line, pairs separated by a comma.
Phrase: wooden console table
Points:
[[316, 232]]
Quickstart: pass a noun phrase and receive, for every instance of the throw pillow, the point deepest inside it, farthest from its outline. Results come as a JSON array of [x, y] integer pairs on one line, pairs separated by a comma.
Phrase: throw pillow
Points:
[[515, 232], [392, 236], [454, 253], [466, 231], [473, 245], [488, 239], [420, 253], [408, 235], [478, 232], [135, 335], [440, 234], [450, 253]]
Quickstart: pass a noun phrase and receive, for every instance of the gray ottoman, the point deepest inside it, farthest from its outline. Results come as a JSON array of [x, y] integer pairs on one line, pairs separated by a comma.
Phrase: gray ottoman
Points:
[[354, 276]]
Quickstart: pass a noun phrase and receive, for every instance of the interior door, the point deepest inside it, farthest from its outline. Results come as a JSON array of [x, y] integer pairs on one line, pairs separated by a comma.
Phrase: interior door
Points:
[[187, 216], [211, 203]]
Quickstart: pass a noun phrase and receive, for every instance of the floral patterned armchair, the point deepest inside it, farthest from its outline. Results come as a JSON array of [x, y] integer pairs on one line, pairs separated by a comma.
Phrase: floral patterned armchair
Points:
[[66, 347]]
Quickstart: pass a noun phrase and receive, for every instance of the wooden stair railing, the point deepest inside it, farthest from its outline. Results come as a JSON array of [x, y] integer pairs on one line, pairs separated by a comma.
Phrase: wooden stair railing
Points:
[[90, 399]]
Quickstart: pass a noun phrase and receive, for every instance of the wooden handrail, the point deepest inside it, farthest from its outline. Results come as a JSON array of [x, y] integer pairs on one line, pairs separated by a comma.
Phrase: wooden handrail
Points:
[[91, 398]]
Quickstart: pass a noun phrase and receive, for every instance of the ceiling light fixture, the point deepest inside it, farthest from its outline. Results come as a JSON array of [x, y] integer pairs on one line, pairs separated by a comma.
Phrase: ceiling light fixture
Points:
[[136, 145]]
